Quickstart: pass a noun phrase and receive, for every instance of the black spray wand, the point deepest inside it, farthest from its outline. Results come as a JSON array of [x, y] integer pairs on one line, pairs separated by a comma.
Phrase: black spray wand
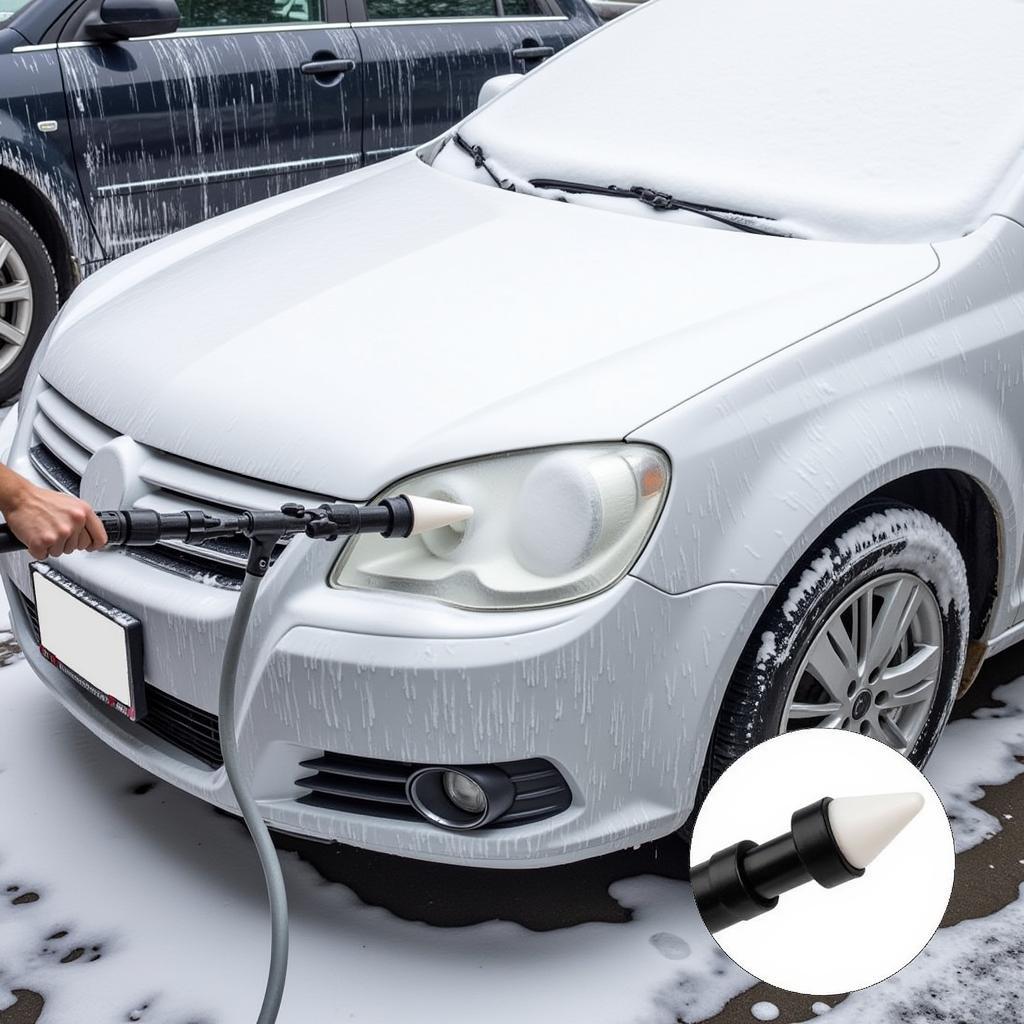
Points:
[[392, 517], [830, 842]]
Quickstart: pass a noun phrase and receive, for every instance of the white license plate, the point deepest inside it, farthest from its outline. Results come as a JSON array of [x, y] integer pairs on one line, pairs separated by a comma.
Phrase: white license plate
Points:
[[91, 642]]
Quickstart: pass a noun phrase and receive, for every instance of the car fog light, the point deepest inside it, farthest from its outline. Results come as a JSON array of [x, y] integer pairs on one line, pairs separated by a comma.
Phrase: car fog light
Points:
[[461, 798], [467, 795]]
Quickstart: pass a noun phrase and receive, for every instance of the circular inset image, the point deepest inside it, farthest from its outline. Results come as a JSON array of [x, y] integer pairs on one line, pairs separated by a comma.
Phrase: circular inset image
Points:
[[822, 861]]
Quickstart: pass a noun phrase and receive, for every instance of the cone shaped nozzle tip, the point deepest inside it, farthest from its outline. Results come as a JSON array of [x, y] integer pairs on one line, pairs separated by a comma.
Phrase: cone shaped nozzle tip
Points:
[[864, 826], [432, 513]]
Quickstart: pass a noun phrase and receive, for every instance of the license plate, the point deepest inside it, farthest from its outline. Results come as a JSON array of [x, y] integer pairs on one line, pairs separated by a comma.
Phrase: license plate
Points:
[[91, 642]]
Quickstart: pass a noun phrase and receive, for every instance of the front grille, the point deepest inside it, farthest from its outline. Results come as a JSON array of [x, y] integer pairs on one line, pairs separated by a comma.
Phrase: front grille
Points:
[[64, 439], [188, 728], [32, 615], [361, 785], [55, 472]]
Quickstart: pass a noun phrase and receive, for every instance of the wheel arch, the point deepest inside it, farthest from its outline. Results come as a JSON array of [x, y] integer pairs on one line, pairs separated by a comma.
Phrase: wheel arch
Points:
[[766, 496], [40, 213], [955, 499], [962, 505], [959, 502]]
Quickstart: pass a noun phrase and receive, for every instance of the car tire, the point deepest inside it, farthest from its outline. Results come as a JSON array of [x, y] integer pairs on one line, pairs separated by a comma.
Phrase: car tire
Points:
[[28, 278], [870, 562]]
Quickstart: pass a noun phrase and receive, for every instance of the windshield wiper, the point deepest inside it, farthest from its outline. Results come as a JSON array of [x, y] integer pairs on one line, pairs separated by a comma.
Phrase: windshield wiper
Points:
[[480, 161], [662, 201]]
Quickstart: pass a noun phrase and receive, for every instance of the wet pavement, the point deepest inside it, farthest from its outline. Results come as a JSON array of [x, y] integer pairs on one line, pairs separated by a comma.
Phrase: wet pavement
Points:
[[988, 876]]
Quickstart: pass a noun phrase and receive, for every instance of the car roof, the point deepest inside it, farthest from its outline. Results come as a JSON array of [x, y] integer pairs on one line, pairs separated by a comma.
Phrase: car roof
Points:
[[894, 120]]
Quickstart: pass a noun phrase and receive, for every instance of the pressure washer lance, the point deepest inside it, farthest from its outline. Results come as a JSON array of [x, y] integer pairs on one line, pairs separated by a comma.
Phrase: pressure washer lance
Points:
[[831, 842], [403, 516]]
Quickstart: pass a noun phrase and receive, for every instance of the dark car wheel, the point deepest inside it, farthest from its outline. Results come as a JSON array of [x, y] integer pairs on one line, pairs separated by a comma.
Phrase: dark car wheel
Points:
[[28, 297], [867, 634]]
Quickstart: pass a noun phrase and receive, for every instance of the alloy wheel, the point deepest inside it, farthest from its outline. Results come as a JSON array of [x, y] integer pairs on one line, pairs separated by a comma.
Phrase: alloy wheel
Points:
[[16, 303], [873, 665]]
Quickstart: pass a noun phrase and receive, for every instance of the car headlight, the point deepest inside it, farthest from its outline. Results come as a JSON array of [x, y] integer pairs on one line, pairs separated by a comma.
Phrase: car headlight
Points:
[[548, 527]]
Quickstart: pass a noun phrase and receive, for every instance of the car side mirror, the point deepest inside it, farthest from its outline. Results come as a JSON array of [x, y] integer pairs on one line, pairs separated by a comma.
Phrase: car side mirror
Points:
[[127, 19], [495, 87]]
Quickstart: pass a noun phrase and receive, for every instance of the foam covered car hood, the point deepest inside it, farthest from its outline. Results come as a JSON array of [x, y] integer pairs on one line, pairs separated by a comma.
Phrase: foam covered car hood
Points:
[[342, 336]]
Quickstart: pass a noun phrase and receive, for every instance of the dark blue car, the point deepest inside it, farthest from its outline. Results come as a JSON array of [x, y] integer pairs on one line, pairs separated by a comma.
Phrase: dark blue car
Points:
[[124, 120]]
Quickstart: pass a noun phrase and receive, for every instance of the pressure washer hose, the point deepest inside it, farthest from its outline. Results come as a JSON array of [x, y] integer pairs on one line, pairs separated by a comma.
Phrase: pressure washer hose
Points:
[[277, 895]]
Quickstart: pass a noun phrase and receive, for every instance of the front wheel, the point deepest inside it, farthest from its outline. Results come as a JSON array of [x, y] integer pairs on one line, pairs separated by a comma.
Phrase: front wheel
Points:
[[28, 297], [868, 634]]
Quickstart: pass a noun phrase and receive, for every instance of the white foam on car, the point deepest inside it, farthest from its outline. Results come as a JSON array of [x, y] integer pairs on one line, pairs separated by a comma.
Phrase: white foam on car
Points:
[[863, 826], [859, 122]]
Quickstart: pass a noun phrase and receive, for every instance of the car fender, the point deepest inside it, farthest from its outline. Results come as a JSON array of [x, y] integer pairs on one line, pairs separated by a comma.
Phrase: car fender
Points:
[[41, 160], [765, 462]]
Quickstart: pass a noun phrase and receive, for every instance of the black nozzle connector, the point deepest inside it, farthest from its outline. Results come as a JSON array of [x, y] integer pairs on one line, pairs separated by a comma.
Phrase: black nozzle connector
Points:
[[400, 509], [141, 527], [144, 527], [746, 880], [116, 526], [723, 892], [393, 517]]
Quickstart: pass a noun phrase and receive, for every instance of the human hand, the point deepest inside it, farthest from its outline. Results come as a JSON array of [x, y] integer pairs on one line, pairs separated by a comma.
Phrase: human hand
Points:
[[49, 523]]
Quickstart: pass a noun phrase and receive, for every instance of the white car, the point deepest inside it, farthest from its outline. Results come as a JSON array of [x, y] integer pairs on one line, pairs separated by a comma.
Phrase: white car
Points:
[[716, 320]]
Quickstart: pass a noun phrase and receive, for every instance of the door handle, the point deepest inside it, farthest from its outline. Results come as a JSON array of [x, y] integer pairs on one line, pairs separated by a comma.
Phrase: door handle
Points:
[[533, 52], [327, 67]]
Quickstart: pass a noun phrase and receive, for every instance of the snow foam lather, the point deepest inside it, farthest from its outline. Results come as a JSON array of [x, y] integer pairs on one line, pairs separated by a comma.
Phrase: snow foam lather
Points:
[[403, 516], [830, 842]]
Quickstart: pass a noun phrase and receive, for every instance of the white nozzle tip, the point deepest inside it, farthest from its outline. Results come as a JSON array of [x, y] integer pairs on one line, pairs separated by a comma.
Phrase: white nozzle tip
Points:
[[864, 826], [432, 513]]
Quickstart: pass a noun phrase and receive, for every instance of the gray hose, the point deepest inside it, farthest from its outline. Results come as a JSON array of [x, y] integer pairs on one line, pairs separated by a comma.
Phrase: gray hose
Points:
[[276, 893]]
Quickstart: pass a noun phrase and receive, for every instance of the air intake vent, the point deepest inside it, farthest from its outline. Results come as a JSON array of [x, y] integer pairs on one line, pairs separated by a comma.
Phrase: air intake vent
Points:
[[64, 439], [33, 616], [188, 728], [360, 785]]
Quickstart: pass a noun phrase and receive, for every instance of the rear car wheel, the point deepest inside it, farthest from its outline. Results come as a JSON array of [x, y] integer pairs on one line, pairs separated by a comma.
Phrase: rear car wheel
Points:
[[867, 634], [28, 297]]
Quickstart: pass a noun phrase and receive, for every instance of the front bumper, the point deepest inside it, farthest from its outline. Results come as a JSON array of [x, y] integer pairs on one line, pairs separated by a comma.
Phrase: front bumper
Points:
[[619, 692]]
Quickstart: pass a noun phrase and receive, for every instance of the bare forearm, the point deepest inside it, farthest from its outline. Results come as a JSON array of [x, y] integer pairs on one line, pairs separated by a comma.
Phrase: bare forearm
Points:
[[12, 489]]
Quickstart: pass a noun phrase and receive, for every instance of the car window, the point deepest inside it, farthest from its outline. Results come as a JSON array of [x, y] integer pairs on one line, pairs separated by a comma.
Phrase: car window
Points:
[[217, 13], [380, 10], [8, 8], [521, 8]]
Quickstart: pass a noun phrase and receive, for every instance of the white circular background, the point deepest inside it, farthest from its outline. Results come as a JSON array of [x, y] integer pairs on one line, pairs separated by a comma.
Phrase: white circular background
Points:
[[820, 941]]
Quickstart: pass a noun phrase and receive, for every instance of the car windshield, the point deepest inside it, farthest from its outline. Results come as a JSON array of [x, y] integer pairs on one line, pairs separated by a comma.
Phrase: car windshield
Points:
[[8, 8], [871, 122]]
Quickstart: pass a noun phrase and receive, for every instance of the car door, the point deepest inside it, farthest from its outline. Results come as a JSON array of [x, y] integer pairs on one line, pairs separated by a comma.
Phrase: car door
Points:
[[237, 105], [424, 61]]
